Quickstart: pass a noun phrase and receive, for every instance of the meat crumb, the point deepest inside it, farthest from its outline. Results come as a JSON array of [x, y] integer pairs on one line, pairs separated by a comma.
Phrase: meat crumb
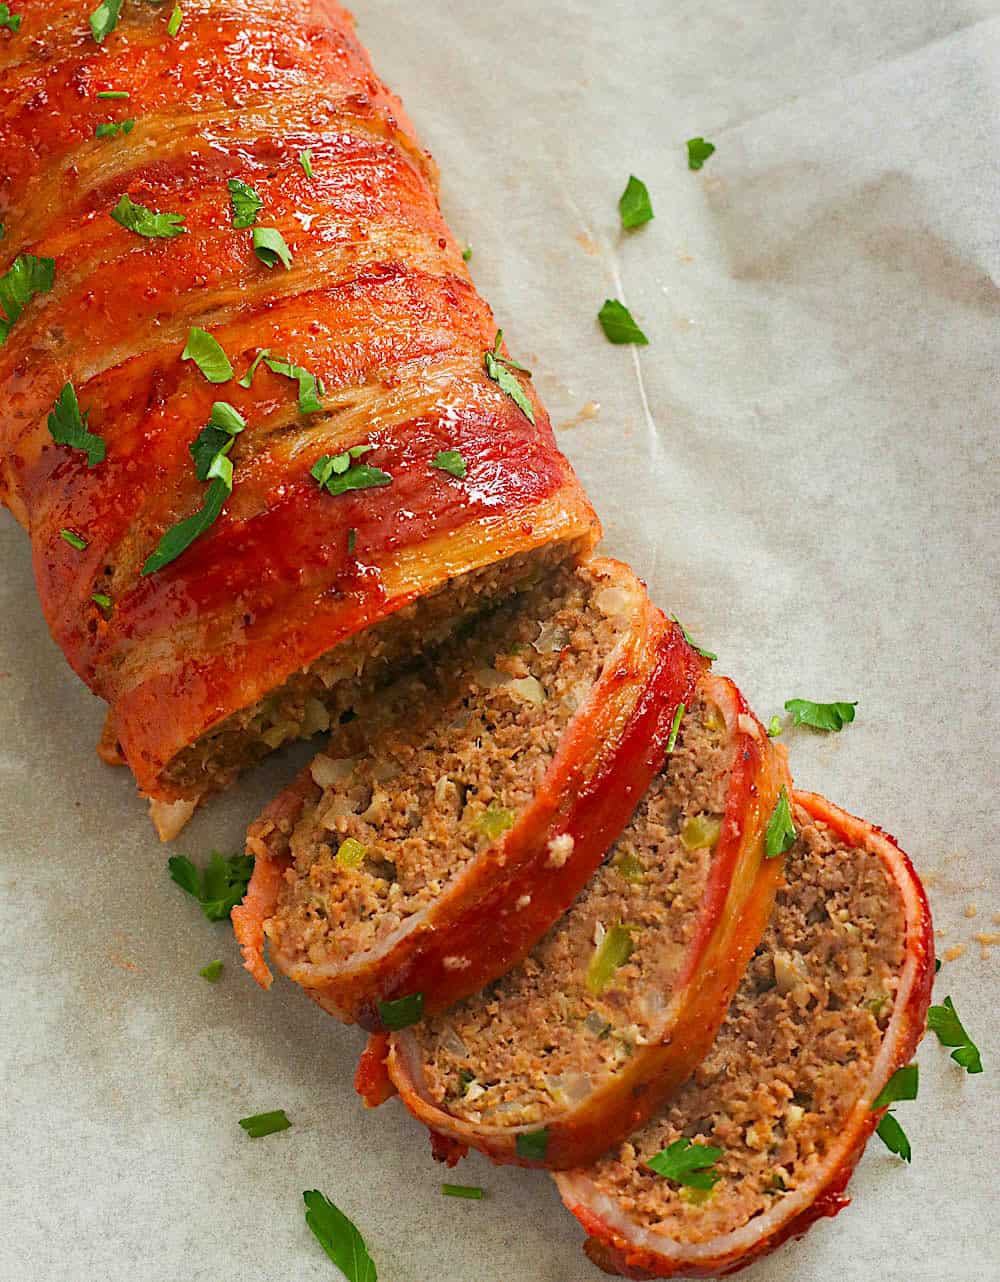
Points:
[[456, 963], [971, 910], [560, 849]]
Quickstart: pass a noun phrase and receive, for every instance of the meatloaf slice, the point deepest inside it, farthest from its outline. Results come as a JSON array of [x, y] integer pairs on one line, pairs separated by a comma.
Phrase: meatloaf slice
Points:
[[833, 1003], [451, 821], [623, 997]]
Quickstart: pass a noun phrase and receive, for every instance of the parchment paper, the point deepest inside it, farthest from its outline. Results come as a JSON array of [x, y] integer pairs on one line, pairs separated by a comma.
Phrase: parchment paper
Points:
[[802, 464]]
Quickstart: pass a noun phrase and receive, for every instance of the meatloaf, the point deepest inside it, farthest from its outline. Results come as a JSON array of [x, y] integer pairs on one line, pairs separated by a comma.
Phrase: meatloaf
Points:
[[451, 820], [238, 226], [622, 998], [834, 1001]]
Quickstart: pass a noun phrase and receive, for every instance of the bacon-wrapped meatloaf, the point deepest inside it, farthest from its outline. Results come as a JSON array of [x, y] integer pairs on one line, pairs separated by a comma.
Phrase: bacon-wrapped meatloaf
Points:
[[621, 999], [833, 1003], [257, 421], [447, 825]]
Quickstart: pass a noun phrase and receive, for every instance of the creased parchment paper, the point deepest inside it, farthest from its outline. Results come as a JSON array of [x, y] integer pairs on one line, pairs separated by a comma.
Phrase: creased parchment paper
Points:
[[803, 465]]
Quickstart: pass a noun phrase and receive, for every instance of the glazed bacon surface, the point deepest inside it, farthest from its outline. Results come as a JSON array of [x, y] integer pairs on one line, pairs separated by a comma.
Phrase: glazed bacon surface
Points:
[[376, 303]]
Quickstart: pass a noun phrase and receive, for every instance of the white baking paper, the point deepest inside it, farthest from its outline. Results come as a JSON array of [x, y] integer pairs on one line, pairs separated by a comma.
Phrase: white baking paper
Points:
[[803, 465]]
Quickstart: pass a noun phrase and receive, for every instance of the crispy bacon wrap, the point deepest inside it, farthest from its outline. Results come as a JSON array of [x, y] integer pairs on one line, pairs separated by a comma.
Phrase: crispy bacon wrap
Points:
[[492, 907], [248, 637], [570, 1053], [834, 1003]]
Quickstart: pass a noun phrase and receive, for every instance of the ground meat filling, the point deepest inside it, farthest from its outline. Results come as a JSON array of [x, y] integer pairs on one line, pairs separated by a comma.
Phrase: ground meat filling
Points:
[[311, 700], [539, 1040], [435, 768], [796, 1050]]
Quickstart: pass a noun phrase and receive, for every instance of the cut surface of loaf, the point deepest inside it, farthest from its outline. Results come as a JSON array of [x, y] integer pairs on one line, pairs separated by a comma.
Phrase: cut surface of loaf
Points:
[[453, 818], [834, 1001], [370, 337], [619, 1001]]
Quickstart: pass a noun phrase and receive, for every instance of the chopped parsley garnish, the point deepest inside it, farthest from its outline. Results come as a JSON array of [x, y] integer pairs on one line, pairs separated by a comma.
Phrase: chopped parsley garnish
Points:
[[466, 253], [219, 887], [147, 222], [269, 246], [112, 93], [634, 205], [339, 1238], [73, 539], [207, 354], [352, 539], [112, 128], [176, 18], [689, 1164], [612, 952], [262, 1124], [893, 1137], [310, 388], [821, 716], [306, 161], [469, 1191], [245, 202], [781, 834], [698, 649], [247, 378], [212, 972], [450, 461], [532, 1145], [102, 599], [774, 727], [12, 21], [902, 1085], [224, 424], [500, 370], [23, 279], [944, 1021], [937, 964], [618, 325], [675, 725], [104, 19], [338, 473], [402, 1012], [698, 152], [210, 451], [68, 426]]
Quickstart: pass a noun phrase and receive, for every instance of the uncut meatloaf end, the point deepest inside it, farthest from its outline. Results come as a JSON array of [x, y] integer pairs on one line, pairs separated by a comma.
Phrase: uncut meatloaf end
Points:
[[452, 819], [313, 698], [834, 1001], [393, 471], [620, 1000]]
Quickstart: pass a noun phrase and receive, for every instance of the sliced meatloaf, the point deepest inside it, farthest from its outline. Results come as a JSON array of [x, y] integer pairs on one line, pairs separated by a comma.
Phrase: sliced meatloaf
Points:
[[623, 997], [450, 822], [833, 1003]]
